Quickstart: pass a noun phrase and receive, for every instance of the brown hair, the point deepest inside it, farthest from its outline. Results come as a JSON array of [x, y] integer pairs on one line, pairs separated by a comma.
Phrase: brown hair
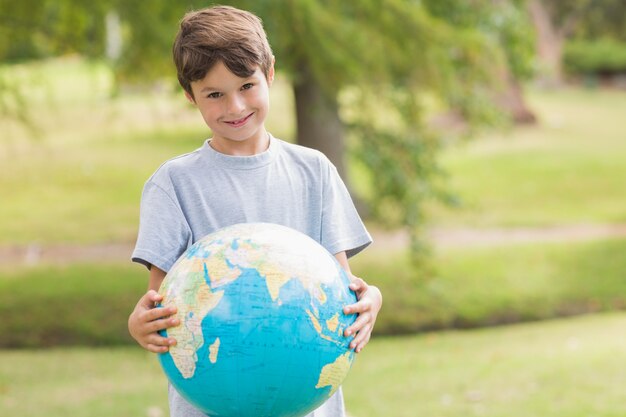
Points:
[[220, 33]]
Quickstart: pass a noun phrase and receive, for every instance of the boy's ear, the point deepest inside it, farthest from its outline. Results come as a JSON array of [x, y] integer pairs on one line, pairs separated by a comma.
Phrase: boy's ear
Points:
[[270, 73], [190, 97]]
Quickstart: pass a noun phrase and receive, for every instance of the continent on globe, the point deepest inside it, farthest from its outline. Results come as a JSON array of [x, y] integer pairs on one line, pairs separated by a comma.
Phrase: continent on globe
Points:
[[334, 373], [262, 322]]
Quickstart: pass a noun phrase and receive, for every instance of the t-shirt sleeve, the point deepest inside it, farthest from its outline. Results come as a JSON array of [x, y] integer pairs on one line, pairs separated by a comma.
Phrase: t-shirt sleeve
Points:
[[342, 227], [163, 231]]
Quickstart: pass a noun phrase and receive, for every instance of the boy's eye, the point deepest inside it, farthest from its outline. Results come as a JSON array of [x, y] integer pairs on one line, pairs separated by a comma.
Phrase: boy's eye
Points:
[[247, 86], [214, 95]]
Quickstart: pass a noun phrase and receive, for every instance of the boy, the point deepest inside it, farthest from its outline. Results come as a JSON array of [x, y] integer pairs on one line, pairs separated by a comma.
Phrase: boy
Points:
[[242, 174]]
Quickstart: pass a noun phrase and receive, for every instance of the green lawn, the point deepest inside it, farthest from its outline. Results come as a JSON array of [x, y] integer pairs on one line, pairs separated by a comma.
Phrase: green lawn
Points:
[[560, 368], [568, 368], [121, 382], [568, 169]]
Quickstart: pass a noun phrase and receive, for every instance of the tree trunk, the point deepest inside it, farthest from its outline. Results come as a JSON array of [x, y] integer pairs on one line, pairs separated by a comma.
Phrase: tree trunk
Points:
[[318, 122], [511, 99], [549, 44]]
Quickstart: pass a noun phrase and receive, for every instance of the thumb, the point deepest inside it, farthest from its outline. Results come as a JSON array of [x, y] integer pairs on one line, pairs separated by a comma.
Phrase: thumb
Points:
[[358, 285], [151, 298]]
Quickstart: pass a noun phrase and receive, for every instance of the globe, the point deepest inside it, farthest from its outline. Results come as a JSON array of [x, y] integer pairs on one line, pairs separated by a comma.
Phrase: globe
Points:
[[261, 333]]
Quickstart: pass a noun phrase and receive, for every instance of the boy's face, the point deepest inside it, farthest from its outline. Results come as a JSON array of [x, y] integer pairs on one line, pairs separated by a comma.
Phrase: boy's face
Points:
[[234, 108]]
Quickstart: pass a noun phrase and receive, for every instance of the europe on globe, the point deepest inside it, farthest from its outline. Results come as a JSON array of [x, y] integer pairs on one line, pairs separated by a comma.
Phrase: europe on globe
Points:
[[262, 322]]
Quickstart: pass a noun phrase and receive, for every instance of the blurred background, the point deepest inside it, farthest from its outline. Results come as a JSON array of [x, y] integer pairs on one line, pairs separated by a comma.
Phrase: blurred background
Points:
[[483, 141]]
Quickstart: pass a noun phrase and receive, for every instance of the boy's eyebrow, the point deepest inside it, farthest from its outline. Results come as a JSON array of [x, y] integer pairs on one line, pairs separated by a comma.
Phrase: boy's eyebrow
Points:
[[209, 88]]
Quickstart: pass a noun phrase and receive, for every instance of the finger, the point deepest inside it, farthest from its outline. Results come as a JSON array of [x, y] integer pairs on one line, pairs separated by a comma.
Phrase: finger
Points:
[[358, 324], [359, 307], [162, 324], [362, 337], [157, 348], [159, 313], [158, 341], [361, 344]]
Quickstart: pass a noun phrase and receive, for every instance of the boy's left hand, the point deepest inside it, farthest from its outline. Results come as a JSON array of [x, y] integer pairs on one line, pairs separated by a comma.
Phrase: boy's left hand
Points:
[[369, 302]]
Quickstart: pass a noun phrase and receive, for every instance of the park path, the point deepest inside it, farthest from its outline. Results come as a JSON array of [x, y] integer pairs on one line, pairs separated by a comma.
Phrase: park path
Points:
[[383, 240]]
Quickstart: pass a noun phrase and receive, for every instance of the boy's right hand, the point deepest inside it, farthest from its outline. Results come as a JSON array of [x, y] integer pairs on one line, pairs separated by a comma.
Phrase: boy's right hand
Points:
[[146, 321]]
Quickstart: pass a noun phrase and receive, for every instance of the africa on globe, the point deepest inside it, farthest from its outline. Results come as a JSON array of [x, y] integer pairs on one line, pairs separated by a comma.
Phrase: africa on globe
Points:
[[262, 322]]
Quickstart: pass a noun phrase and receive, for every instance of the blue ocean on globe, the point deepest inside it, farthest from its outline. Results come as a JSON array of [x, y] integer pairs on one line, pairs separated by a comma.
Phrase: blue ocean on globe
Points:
[[261, 334]]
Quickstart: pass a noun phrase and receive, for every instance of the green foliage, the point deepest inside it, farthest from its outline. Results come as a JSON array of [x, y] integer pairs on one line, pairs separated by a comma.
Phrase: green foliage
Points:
[[505, 23], [36, 29], [588, 19], [599, 19], [149, 35], [401, 162], [563, 11], [385, 59], [12, 102], [602, 57]]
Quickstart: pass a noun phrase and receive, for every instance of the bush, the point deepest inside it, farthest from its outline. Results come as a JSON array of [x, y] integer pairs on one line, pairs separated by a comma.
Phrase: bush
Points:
[[600, 57]]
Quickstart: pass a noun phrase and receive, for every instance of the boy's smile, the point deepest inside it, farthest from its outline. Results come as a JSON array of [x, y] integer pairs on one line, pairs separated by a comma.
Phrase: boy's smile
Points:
[[234, 108], [240, 122]]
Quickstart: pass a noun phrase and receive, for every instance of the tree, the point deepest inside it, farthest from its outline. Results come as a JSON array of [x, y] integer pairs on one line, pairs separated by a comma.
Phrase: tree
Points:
[[557, 20], [367, 71], [507, 24], [38, 29], [365, 75]]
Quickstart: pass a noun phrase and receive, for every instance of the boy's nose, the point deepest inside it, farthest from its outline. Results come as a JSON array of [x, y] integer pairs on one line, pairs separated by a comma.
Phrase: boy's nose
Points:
[[235, 105]]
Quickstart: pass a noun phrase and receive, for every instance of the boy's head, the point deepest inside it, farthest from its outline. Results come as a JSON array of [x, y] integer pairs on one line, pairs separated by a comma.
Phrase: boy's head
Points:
[[220, 33]]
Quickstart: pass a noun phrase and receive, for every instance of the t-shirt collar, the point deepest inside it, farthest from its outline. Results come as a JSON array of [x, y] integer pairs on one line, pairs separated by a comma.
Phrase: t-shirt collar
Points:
[[241, 162]]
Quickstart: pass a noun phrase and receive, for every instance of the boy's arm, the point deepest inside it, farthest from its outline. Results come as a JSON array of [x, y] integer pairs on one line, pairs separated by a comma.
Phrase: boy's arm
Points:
[[370, 300], [145, 321]]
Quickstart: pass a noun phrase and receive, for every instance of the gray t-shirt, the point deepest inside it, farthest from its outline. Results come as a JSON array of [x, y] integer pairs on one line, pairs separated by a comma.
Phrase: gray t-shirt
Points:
[[200, 192]]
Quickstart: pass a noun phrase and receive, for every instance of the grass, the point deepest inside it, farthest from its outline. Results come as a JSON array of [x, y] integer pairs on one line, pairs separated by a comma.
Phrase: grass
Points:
[[82, 195], [69, 305], [560, 368], [566, 170], [81, 382]]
